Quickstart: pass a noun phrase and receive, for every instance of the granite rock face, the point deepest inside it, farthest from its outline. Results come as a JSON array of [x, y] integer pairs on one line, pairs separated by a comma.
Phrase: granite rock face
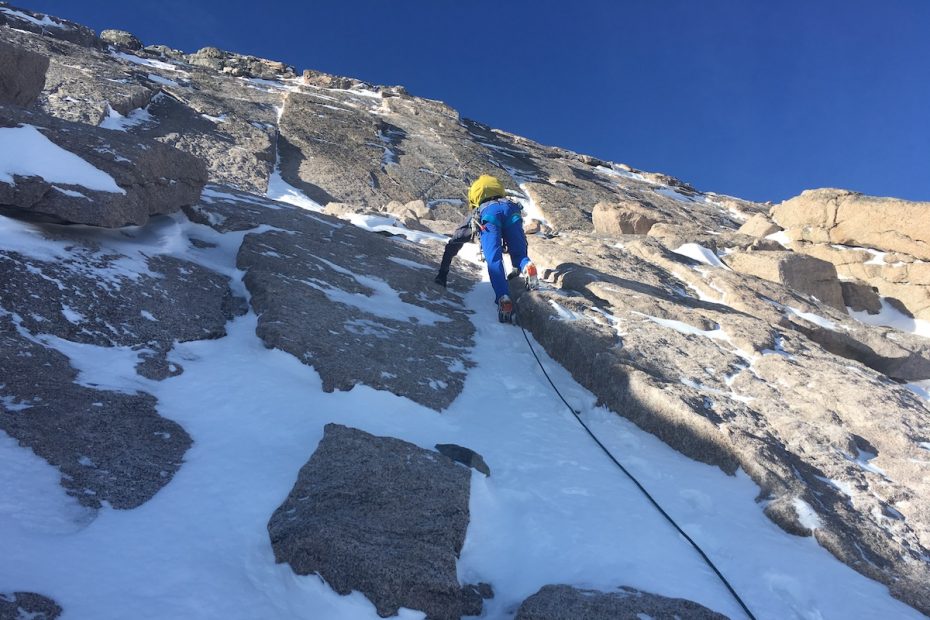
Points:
[[561, 602], [850, 218], [92, 290], [737, 371], [804, 274], [866, 238], [381, 516], [353, 305], [28, 606], [132, 179]]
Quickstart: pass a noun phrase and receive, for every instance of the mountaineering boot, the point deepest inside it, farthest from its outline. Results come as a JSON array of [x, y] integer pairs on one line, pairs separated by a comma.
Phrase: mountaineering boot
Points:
[[505, 309], [513, 273], [530, 276]]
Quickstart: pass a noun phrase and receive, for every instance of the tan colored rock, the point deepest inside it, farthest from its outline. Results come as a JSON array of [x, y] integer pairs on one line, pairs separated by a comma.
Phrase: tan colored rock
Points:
[[850, 218], [759, 226], [803, 273], [624, 218], [419, 208]]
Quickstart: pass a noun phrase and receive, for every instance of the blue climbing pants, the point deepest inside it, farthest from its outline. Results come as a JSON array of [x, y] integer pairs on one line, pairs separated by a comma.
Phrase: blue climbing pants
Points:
[[502, 223]]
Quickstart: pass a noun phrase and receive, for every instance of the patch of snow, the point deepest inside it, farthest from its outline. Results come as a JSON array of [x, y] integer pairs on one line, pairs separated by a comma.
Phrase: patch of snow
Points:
[[668, 192], [145, 62], [530, 209], [117, 122], [45, 22], [379, 223], [889, 316], [685, 328], [163, 80], [70, 193], [816, 319], [781, 237], [701, 254], [806, 515], [72, 315], [25, 151], [147, 315], [383, 301], [282, 191], [409, 263], [623, 174], [564, 313]]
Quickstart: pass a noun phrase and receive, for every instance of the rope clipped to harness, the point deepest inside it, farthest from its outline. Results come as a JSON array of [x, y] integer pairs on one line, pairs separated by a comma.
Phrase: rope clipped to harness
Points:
[[652, 500]]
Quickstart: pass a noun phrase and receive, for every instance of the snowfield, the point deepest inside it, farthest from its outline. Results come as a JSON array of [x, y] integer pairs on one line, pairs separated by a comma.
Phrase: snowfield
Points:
[[555, 509]]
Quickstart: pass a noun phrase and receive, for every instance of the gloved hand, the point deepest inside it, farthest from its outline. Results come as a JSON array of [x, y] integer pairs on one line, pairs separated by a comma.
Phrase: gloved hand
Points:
[[441, 278]]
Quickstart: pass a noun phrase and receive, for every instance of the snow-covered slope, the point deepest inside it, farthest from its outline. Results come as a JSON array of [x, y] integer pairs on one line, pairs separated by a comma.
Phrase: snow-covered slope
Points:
[[206, 262]]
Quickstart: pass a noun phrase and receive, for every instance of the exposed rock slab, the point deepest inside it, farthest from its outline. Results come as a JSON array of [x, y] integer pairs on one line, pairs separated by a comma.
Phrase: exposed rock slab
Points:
[[46, 25], [850, 218], [749, 382], [802, 273], [109, 446], [28, 606], [89, 289], [22, 75], [148, 178], [759, 226], [561, 602], [357, 306], [381, 516]]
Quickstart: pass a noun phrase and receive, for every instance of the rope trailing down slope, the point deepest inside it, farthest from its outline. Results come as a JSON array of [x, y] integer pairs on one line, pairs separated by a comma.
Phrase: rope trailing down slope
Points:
[[652, 500]]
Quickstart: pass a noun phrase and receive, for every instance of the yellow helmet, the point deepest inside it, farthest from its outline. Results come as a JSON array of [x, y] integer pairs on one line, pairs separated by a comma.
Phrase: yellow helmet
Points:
[[485, 188]]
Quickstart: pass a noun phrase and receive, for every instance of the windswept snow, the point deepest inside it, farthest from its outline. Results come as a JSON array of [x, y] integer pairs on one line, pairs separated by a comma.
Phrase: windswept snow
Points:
[[892, 317], [145, 62], [46, 21], [117, 122], [816, 319], [25, 151], [701, 254]]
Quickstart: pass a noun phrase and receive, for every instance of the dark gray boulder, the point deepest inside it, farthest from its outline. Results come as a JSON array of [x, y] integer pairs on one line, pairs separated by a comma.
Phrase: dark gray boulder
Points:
[[381, 516], [561, 602], [145, 177], [22, 75], [109, 446], [465, 456], [27, 606], [357, 306]]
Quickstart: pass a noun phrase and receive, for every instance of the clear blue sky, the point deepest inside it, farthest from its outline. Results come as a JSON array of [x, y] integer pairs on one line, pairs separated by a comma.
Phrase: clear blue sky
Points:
[[755, 98]]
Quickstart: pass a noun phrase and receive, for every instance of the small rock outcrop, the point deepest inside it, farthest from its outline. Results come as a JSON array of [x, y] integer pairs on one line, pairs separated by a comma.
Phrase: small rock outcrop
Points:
[[465, 456], [381, 516], [561, 602], [96, 176], [850, 218], [758, 226], [22, 75], [621, 219], [804, 274], [121, 38], [28, 606], [238, 65], [355, 306]]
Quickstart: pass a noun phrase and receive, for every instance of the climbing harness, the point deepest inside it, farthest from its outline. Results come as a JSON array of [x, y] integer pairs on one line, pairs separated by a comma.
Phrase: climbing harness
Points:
[[577, 415]]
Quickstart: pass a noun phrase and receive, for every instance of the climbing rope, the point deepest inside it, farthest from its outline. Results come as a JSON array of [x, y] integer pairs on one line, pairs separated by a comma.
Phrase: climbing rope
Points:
[[651, 499]]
